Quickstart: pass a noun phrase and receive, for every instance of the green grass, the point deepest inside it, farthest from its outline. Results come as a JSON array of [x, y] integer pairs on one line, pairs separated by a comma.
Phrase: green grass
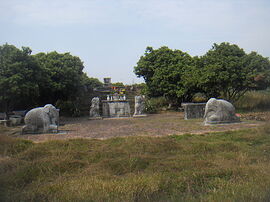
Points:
[[227, 166]]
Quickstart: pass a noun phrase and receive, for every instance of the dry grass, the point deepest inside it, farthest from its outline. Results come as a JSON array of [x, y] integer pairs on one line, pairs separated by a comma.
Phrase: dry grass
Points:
[[224, 166], [254, 101]]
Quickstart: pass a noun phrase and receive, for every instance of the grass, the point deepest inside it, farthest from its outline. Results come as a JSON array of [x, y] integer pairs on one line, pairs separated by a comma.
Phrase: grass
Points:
[[227, 166], [254, 101]]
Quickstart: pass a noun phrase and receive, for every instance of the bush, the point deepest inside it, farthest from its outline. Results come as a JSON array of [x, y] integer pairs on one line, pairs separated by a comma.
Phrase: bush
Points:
[[199, 97], [68, 108], [153, 105]]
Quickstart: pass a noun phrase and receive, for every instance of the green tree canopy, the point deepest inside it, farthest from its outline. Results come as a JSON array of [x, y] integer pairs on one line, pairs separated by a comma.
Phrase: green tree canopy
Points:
[[62, 76], [27, 81], [227, 71], [224, 71], [162, 70], [19, 73]]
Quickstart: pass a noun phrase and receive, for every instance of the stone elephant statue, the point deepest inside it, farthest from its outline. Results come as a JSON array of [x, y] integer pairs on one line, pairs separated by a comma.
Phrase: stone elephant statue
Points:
[[41, 120], [219, 111]]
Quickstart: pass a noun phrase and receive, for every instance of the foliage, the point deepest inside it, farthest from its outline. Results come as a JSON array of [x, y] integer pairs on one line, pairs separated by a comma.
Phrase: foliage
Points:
[[118, 84], [68, 107], [27, 81], [79, 105], [62, 76], [153, 105], [19, 73], [90, 83], [224, 71], [229, 72], [199, 97], [212, 167], [162, 70]]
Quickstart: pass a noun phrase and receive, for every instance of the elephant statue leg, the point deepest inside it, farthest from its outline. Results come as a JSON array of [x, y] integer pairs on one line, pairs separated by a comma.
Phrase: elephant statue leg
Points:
[[53, 128]]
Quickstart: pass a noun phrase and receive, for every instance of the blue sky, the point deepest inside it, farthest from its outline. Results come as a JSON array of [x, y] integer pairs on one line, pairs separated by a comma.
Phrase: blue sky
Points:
[[111, 35]]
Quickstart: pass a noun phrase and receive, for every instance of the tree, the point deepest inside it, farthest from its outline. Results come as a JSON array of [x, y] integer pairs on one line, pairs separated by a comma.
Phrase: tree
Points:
[[229, 72], [19, 73], [62, 76], [90, 83], [28, 81], [162, 70]]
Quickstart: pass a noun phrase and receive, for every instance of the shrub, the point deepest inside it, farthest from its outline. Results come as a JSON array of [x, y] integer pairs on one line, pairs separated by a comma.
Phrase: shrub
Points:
[[199, 97], [153, 105], [68, 108]]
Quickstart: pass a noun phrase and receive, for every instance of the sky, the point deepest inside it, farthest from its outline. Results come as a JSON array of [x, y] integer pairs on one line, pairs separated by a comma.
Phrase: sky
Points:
[[110, 36]]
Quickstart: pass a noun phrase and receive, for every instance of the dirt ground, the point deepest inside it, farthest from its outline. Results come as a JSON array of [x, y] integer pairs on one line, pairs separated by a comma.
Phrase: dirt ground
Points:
[[169, 123]]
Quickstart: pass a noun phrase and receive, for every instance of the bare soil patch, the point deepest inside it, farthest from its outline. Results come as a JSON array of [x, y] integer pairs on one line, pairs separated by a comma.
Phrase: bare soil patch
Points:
[[169, 123]]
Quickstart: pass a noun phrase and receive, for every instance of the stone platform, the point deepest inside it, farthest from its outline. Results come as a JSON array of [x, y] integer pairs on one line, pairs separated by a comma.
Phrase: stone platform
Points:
[[193, 110]]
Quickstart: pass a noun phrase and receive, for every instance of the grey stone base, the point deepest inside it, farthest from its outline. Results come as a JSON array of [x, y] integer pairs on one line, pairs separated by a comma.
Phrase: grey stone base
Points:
[[38, 132], [139, 116], [95, 118], [220, 122], [122, 117], [5, 122]]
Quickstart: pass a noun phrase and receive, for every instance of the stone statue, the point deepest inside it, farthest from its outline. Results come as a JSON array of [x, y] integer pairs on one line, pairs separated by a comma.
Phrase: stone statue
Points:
[[41, 120], [94, 109], [139, 106], [219, 111]]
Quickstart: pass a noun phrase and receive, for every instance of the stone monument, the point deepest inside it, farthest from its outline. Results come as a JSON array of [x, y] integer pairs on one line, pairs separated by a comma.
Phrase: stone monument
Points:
[[139, 106], [41, 120], [219, 111], [94, 109], [115, 106]]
